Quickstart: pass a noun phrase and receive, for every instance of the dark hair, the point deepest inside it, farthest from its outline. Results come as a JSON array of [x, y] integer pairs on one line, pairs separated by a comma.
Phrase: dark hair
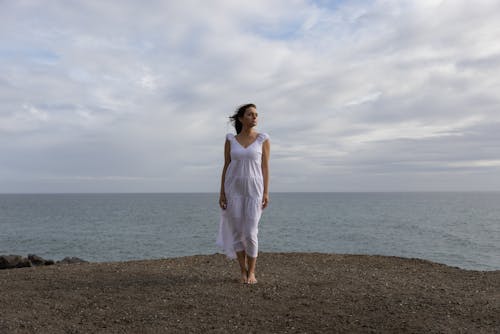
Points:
[[240, 112]]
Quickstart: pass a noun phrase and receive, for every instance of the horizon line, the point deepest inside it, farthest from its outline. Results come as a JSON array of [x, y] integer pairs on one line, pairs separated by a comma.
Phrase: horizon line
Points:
[[275, 192]]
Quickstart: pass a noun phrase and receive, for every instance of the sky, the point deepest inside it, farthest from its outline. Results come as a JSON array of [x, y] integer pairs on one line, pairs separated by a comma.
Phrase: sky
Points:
[[134, 96]]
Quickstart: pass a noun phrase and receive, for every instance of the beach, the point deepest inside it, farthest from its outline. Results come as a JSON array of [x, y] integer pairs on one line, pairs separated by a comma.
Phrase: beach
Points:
[[296, 293]]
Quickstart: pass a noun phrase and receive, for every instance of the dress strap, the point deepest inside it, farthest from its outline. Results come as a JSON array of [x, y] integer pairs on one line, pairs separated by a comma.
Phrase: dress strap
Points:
[[263, 137]]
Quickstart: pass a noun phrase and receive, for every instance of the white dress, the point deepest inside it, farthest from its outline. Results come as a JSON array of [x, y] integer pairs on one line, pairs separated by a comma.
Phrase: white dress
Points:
[[244, 188]]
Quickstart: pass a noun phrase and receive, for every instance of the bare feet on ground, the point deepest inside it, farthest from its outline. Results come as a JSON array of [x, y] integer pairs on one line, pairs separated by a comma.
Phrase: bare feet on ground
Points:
[[251, 278]]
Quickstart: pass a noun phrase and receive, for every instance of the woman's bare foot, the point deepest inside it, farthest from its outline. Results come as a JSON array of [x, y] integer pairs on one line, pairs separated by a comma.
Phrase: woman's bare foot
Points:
[[242, 260], [244, 277], [251, 278]]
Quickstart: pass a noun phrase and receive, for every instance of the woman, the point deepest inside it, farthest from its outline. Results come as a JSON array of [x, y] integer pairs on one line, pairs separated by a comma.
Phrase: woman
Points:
[[244, 190]]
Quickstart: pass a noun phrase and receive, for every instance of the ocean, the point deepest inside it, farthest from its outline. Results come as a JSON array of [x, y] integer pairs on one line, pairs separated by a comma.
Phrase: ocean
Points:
[[457, 229]]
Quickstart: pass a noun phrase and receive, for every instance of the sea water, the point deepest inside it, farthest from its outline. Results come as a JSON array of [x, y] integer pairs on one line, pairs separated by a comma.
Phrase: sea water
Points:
[[458, 229]]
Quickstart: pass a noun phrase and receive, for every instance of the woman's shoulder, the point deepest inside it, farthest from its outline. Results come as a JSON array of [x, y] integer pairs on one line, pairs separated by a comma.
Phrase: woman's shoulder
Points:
[[229, 136], [263, 136]]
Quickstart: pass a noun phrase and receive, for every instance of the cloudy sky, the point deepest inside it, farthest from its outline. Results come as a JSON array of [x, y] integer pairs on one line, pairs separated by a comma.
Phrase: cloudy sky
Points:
[[134, 96]]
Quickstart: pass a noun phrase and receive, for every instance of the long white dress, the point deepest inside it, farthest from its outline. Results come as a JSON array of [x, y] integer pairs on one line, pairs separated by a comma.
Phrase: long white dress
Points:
[[244, 188]]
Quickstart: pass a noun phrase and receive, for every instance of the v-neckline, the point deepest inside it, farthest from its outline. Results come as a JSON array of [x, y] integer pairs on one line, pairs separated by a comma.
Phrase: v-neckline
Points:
[[248, 144]]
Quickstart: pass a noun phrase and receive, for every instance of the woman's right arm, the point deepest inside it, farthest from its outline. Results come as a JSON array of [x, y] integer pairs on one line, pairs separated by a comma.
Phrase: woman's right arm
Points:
[[227, 160]]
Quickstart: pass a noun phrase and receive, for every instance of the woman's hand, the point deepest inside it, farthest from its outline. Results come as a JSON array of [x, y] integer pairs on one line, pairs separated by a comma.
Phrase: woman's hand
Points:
[[222, 201], [265, 201]]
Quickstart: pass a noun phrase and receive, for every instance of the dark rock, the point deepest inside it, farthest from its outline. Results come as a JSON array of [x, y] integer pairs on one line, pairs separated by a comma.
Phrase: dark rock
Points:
[[13, 261], [17, 261], [71, 260], [37, 260]]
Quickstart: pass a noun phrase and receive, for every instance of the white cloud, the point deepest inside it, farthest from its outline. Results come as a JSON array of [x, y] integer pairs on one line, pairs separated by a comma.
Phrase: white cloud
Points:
[[475, 163], [364, 99], [412, 130]]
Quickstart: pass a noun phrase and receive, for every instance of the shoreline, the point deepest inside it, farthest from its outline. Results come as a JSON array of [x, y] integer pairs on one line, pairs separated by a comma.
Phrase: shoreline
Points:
[[297, 292], [73, 259]]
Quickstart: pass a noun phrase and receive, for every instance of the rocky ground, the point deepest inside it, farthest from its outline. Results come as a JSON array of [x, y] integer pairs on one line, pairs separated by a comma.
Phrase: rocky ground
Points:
[[296, 293]]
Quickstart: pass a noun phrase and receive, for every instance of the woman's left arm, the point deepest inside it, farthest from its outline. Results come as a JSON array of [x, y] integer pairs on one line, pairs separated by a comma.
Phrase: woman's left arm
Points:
[[266, 150]]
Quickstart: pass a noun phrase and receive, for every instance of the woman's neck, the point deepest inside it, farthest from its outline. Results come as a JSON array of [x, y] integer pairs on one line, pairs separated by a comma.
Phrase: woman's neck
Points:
[[247, 131]]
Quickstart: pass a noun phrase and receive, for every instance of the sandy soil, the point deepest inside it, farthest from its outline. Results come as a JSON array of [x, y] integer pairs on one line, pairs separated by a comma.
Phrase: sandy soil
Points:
[[296, 293]]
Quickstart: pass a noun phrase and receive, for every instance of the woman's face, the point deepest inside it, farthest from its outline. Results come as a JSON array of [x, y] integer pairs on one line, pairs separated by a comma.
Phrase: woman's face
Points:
[[249, 119]]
